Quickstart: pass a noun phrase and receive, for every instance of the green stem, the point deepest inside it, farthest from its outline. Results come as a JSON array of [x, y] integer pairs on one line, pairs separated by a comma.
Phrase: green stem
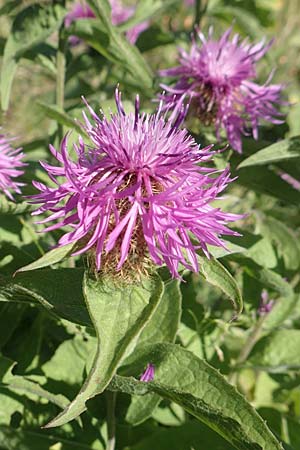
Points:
[[197, 12], [111, 420], [200, 9], [246, 350], [60, 75]]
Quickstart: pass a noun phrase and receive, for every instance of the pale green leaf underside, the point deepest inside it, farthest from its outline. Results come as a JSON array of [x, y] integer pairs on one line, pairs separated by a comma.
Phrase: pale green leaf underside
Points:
[[162, 327], [118, 316]]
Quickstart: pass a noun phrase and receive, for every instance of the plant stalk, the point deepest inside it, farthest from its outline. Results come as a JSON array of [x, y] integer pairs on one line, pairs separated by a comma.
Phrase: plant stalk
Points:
[[111, 420], [200, 8], [60, 75], [246, 350]]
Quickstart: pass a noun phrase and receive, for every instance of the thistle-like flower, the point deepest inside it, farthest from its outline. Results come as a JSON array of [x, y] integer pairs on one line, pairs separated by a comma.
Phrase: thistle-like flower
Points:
[[148, 375], [219, 75], [10, 167], [266, 304], [140, 193], [119, 15]]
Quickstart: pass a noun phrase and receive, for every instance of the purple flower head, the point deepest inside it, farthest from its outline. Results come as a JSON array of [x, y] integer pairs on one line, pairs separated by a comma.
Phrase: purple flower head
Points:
[[10, 167], [140, 189], [119, 15], [219, 76], [148, 375], [266, 304]]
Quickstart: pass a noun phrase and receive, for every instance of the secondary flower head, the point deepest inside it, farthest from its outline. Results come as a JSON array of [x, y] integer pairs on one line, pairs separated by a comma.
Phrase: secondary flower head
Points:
[[119, 15], [266, 304], [148, 375], [10, 167], [140, 191], [219, 75]]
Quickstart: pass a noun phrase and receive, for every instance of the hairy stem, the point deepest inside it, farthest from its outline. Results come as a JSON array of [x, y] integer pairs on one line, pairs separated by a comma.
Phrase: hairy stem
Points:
[[111, 420]]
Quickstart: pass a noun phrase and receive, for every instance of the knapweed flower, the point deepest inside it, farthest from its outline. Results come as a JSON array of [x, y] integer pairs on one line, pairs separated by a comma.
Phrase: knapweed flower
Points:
[[10, 167], [140, 191], [219, 75], [119, 15], [148, 375], [266, 304]]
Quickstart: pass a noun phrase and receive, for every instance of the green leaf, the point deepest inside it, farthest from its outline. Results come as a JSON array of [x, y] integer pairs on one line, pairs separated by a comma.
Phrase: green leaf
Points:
[[246, 21], [281, 310], [55, 113], [28, 439], [266, 277], [52, 257], [277, 352], [162, 327], [279, 151], [263, 180], [13, 314], [116, 47], [9, 7], [202, 391], [9, 207], [119, 314], [164, 323], [216, 274], [28, 387], [263, 253], [31, 26], [285, 240], [192, 435], [68, 362], [148, 9], [59, 291]]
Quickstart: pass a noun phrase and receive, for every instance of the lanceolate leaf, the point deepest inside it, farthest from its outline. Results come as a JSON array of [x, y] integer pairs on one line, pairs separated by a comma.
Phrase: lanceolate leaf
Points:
[[216, 274], [52, 257], [8, 207], [285, 240], [263, 180], [31, 26], [280, 151], [27, 387], [61, 117], [266, 277], [118, 49], [147, 10], [119, 314], [200, 389]]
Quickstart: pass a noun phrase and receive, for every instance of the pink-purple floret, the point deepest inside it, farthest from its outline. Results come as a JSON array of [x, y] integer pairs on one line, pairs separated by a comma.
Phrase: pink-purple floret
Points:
[[168, 189], [226, 69], [119, 15], [148, 375], [10, 167]]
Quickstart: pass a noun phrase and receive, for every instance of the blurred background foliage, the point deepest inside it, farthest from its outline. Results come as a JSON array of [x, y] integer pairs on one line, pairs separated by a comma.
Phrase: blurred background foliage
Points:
[[259, 353]]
